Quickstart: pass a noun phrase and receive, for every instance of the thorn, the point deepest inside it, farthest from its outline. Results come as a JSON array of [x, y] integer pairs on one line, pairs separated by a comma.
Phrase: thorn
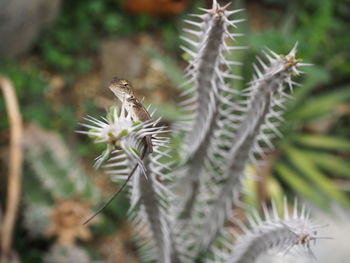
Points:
[[273, 53], [294, 50], [231, 12]]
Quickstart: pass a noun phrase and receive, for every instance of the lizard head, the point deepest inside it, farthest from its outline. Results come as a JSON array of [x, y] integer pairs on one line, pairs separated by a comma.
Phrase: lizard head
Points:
[[121, 88]]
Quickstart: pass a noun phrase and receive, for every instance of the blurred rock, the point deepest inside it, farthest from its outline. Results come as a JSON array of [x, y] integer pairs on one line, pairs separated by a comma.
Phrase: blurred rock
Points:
[[21, 22], [123, 58], [86, 88], [128, 58]]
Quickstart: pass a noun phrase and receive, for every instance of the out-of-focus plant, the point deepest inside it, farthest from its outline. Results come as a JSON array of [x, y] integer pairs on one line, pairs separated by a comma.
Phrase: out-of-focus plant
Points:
[[27, 78], [33, 88], [311, 158], [59, 196], [222, 130], [82, 26]]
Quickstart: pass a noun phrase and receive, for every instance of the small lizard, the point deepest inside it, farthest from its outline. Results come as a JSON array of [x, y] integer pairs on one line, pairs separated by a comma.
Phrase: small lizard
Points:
[[125, 93]]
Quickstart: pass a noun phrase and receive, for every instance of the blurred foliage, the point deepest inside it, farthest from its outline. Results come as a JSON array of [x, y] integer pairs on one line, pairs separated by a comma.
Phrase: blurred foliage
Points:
[[30, 86], [69, 48], [79, 31], [312, 157]]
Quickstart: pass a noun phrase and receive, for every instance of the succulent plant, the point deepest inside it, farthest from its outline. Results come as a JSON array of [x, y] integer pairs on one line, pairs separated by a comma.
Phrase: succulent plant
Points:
[[183, 211]]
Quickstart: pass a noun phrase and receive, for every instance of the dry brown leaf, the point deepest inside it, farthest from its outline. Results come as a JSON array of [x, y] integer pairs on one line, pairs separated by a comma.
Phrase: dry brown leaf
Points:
[[67, 221]]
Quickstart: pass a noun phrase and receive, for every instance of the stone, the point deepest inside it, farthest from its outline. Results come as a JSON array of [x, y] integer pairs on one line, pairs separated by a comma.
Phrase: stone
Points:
[[21, 22], [123, 58]]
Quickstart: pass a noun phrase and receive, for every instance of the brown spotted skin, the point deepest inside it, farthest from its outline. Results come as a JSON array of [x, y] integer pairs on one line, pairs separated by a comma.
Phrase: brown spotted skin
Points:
[[139, 111], [141, 115], [124, 90]]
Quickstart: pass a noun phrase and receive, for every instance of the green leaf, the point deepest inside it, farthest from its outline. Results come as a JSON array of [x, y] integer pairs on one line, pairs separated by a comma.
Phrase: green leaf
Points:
[[320, 105], [314, 76], [331, 163], [298, 184], [309, 169], [323, 142]]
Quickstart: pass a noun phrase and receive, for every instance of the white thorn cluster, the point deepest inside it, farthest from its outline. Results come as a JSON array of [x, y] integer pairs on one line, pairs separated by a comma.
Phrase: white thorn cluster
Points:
[[120, 133], [114, 127], [292, 232], [125, 143]]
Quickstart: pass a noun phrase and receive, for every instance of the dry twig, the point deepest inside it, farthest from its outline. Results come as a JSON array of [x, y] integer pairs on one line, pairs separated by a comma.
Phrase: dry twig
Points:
[[15, 168]]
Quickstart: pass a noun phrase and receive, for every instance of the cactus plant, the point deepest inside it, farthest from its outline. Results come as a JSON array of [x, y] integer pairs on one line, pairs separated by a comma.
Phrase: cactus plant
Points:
[[182, 211]]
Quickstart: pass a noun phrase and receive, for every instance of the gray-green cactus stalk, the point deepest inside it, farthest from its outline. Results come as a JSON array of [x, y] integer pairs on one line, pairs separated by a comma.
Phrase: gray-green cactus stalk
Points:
[[222, 134]]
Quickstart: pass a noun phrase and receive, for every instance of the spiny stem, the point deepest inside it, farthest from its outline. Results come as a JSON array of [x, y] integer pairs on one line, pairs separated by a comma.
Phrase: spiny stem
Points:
[[265, 94]]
